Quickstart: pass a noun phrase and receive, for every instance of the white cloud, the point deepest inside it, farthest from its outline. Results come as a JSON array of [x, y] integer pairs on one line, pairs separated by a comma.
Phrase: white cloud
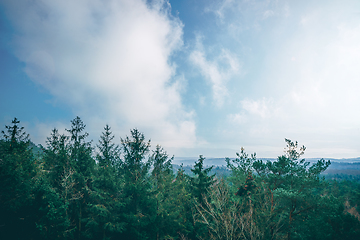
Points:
[[108, 60], [261, 108], [40, 131], [247, 14], [217, 71], [268, 13], [236, 118], [220, 8]]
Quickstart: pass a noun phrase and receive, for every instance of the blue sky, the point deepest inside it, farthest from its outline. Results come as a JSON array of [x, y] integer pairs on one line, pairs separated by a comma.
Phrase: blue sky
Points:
[[196, 77]]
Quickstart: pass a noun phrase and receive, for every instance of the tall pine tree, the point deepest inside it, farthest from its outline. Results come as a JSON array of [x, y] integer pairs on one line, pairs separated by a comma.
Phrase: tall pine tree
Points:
[[17, 172], [201, 181], [140, 210], [105, 220], [81, 157]]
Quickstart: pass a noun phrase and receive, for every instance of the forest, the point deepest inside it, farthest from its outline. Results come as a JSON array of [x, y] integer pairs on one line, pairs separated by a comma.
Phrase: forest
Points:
[[74, 189]]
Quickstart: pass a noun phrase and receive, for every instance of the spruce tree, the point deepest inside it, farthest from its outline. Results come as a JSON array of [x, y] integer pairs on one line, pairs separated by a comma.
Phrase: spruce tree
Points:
[[140, 210], [53, 193], [162, 167], [57, 161], [17, 172], [162, 180], [201, 181], [176, 205], [80, 149], [81, 159], [106, 205]]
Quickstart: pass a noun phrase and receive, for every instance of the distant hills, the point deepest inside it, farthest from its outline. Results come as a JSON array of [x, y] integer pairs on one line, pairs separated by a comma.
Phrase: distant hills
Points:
[[335, 163], [340, 169]]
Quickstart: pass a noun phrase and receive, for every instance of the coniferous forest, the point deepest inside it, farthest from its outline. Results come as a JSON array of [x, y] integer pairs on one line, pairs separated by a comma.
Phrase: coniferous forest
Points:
[[75, 189]]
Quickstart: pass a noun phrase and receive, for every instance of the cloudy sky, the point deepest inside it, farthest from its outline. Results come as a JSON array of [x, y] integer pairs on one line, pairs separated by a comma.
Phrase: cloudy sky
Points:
[[195, 76]]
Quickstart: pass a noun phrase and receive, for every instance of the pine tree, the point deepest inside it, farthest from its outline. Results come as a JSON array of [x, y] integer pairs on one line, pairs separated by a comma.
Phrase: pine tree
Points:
[[162, 167], [51, 216], [50, 201], [178, 204], [17, 172], [109, 152], [201, 181], [140, 210], [106, 205], [282, 191], [291, 183], [162, 178], [81, 159], [57, 159], [80, 149]]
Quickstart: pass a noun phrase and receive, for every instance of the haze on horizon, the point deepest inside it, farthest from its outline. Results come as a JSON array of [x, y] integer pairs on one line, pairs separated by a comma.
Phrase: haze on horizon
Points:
[[197, 77]]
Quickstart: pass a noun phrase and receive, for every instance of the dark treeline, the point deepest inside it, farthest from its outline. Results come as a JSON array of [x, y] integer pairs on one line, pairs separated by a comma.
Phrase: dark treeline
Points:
[[74, 190]]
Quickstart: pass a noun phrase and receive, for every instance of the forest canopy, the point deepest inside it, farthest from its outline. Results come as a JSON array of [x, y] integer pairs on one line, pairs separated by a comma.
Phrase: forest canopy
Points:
[[73, 189]]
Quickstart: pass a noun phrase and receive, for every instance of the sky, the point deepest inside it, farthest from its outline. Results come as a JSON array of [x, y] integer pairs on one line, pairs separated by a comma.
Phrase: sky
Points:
[[195, 76]]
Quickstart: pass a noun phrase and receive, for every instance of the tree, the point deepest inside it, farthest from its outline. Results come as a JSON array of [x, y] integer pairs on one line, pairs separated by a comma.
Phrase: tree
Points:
[[167, 194], [54, 189], [105, 220], [81, 159], [57, 159], [224, 216], [52, 219], [162, 167], [109, 152], [201, 181], [286, 188], [179, 205], [80, 149], [140, 210], [17, 172]]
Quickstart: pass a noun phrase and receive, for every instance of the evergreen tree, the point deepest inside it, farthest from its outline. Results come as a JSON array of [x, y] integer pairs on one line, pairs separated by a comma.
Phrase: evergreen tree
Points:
[[109, 152], [81, 159], [285, 189], [51, 210], [162, 167], [140, 210], [199, 186], [53, 193], [57, 159], [81, 150], [105, 220], [17, 172], [165, 194], [181, 205], [201, 181]]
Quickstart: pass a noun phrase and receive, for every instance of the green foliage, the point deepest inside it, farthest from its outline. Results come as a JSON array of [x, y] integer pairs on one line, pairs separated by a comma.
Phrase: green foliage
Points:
[[140, 208], [291, 183], [80, 150], [327, 221], [51, 214], [162, 166], [109, 152], [67, 193], [201, 182], [172, 198], [17, 172], [57, 159], [286, 199], [135, 151], [104, 221]]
